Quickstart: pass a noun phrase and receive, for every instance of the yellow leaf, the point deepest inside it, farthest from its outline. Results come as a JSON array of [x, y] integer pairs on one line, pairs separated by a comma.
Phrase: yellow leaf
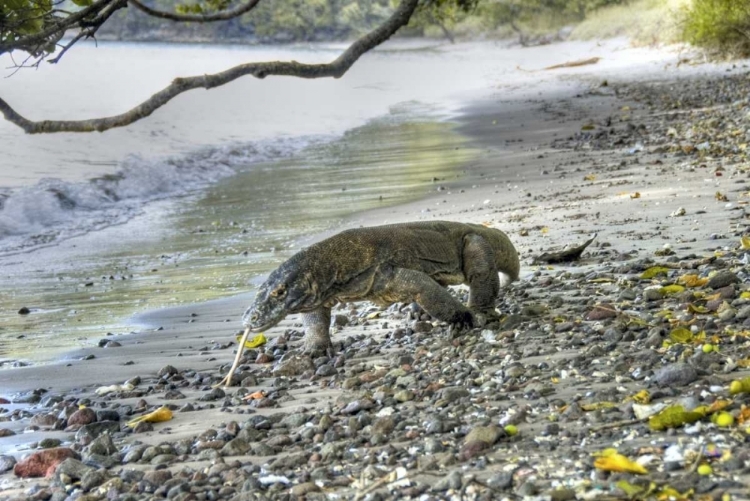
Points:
[[745, 295], [618, 462], [159, 415], [681, 335], [668, 290], [674, 417], [258, 340], [642, 397], [697, 309], [635, 195], [545, 230], [632, 491], [589, 177], [692, 280], [721, 197], [654, 271]]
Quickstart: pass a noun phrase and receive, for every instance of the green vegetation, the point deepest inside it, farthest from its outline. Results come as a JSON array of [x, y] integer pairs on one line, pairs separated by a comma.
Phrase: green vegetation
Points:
[[721, 26], [644, 22]]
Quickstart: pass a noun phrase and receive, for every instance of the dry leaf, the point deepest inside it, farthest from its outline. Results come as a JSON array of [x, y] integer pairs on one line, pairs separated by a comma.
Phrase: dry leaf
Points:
[[692, 280], [681, 335], [721, 197], [157, 416], [668, 290], [673, 417], [654, 271], [635, 195], [589, 177], [745, 242], [619, 463], [258, 340]]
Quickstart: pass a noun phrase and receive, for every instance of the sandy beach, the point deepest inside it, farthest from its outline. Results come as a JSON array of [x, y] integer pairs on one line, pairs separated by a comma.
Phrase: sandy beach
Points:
[[606, 152]]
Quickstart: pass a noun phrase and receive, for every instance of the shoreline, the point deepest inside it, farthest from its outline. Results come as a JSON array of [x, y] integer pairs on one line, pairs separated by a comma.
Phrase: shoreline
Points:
[[486, 121], [548, 176]]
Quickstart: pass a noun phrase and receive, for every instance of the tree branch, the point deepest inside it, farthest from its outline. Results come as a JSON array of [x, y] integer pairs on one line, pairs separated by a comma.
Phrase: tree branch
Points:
[[335, 69], [56, 29], [197, 18]]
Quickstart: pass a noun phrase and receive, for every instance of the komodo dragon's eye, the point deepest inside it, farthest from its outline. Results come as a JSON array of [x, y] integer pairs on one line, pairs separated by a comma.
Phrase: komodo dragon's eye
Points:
[[279, 291]]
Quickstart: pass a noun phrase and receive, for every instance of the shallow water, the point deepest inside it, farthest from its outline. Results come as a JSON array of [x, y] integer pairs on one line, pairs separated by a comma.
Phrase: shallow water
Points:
[[212, 244]]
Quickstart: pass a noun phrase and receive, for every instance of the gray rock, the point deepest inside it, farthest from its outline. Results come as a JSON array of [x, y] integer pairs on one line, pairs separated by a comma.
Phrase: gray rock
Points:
[[502, 480], [235, 447], [215, 394], [679, 374], [452, 481], [102, 445], [7, 463], [326, 370], [89, 432], [722, 279], [92, 479], [453, 393], [73, 468]]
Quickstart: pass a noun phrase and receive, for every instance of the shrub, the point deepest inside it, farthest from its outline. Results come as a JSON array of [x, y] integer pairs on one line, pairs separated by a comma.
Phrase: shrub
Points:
[[721, 26]]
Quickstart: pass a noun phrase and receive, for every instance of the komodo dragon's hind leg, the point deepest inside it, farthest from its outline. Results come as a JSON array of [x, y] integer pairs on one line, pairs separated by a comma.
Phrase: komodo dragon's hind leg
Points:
[[403, 285], [317, 331], [481, 274]]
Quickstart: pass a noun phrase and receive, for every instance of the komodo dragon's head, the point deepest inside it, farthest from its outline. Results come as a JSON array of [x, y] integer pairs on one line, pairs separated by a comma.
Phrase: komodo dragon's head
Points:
[[287, 290]]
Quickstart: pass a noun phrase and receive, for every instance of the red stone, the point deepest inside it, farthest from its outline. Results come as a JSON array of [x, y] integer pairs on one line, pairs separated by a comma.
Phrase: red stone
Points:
[[43, 463], [82, 417]]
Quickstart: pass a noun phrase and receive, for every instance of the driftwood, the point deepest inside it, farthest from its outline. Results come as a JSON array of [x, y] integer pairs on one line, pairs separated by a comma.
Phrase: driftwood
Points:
[[573, 64], [565, 255]]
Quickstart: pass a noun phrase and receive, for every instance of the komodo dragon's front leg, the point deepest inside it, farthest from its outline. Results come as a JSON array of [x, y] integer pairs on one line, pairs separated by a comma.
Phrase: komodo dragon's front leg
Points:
[[317, 331], [480, 271], [404, 285]]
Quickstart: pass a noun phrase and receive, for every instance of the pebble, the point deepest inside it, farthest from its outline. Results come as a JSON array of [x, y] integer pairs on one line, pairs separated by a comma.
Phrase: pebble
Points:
[[679, 374]]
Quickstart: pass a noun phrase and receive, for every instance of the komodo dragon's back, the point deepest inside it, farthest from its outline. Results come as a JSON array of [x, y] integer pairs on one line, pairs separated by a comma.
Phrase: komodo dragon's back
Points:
[[435, 248]]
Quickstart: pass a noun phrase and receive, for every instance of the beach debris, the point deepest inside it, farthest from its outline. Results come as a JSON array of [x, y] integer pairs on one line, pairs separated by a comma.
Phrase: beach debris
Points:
[[574, 64], [227, 380], [114, 388], [161, 414], [255, 342], [610, 460], [565, 255]]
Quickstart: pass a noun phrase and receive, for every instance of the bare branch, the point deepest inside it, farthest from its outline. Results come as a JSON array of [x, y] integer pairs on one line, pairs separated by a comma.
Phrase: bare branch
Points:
[[334, 69], [197, 18]]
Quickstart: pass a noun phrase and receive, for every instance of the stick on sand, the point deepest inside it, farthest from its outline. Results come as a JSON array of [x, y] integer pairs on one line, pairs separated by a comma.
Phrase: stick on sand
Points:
[[227, 381]]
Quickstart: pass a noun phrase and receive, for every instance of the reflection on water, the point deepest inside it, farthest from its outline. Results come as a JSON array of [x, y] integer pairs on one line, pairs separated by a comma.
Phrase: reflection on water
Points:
[[212, 245]]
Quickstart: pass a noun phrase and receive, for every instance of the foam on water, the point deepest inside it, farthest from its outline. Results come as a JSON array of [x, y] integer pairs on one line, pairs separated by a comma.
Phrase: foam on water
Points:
[[53, 209]]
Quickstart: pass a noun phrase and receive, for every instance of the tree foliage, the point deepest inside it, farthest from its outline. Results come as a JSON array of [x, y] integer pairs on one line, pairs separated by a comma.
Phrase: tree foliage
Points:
[[722, 26]]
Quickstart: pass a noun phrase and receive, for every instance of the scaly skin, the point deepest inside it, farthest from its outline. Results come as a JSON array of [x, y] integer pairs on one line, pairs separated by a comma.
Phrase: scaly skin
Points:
[[388, 264]]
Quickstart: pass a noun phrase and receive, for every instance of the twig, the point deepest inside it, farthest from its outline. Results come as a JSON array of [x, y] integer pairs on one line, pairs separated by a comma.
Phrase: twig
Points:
[[616, 425]]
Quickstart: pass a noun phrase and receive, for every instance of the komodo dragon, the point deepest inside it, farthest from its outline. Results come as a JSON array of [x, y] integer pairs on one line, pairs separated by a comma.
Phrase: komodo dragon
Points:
[[386, 264]]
